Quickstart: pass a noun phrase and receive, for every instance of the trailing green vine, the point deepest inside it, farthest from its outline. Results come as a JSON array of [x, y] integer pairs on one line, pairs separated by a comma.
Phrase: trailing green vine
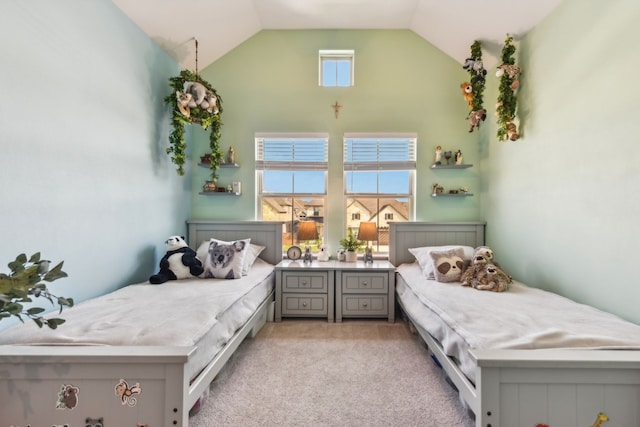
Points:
[[506, 108], [477, 74], [193, 100]]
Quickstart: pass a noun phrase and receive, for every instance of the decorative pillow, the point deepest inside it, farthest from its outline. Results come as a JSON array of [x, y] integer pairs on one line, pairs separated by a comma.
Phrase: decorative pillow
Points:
[[423, 257], [225, 259], [448, 265], [252, 254]]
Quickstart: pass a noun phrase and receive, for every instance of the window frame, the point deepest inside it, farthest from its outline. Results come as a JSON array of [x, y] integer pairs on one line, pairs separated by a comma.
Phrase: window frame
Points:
[[292, 165], [379, 165], [336, 55]]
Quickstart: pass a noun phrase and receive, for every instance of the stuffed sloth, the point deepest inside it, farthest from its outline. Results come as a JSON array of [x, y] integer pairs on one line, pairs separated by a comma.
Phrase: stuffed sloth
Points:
[[179, 262], [483, 274]]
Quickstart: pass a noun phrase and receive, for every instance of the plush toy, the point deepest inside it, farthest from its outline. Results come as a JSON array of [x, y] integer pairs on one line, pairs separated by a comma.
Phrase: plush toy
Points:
[[179, 262], [475, 66], [475, 117], [467, 92], [483, 274], [511, 70], [183, 103], [512, 131], [197, 91]]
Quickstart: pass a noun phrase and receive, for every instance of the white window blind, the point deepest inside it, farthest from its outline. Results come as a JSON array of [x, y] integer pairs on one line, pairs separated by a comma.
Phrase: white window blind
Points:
[[370, 152], [292, 152]]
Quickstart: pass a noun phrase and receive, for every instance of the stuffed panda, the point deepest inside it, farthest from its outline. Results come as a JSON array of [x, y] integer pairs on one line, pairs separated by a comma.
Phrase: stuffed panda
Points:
[[179, 262]]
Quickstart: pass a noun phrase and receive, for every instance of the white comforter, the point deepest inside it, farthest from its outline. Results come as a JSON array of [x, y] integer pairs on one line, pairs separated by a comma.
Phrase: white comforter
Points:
[[176, 313], [520, 318]]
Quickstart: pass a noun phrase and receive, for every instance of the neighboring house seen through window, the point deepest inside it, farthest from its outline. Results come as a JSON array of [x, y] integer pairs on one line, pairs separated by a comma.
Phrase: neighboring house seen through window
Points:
[[379, 181], [291, 177]]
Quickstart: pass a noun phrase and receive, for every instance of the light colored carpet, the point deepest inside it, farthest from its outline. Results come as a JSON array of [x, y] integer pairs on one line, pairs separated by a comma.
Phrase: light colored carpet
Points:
[[313, 373]]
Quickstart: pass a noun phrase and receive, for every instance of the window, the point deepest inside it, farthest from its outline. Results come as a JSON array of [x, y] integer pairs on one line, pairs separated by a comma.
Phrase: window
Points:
[[355, 216], [291, 180], [379, 181], [336, 68]]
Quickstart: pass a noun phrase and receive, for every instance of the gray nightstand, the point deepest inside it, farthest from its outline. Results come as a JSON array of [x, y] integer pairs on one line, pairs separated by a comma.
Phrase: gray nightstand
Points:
[[365, 290], [304, 290]]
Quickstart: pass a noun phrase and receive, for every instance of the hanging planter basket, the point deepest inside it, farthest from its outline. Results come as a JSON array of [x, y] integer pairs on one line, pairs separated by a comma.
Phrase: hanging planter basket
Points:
[[194, 101]]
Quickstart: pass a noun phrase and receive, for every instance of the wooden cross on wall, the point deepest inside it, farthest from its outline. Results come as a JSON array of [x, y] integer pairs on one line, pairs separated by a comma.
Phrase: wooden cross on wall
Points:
[[336, 107]]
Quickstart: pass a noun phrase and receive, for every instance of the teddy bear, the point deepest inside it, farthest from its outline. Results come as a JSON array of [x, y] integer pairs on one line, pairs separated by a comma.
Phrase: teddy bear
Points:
[[179, 262], [467, 92]]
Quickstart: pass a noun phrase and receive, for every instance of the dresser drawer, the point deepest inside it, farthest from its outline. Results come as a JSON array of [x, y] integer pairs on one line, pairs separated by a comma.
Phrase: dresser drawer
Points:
[[305, 282], [365, 283], [365, 305], [304, 304]]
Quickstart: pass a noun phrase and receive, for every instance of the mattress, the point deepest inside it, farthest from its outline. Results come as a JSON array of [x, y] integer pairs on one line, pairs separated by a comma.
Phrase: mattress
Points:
[[463, 319], [204, 313]]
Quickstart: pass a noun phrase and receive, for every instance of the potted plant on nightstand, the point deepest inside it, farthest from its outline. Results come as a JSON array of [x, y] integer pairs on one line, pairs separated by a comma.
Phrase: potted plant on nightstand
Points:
[[351, 244]]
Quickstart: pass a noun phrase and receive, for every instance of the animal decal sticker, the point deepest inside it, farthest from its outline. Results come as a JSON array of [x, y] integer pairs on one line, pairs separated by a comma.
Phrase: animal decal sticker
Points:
[[67, 397], [94, 422], [126, 393]]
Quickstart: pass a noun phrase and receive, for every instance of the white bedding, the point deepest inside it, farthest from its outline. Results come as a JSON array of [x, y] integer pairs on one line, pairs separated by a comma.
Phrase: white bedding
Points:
[[463, 318], [191, 312]]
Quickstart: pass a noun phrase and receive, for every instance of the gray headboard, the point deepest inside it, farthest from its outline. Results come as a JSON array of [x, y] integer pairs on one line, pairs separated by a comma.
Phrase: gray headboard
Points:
[[405, 235], [263, 233]]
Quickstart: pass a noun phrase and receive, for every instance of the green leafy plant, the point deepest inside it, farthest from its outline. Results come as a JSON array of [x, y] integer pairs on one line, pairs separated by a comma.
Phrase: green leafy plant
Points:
[[508, 73], [204, 117], [24, 283], [351, 242], [477, 76]]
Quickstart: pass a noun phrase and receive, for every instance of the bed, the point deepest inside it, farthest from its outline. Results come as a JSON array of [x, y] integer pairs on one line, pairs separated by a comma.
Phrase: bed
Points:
[[564, 377], [161, 362]]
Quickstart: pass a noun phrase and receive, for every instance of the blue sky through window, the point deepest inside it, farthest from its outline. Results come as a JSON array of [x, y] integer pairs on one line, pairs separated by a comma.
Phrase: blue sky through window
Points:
[[336, 72]]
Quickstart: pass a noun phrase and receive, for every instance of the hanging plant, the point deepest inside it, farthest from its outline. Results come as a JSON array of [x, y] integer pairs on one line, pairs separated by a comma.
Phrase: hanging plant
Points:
[[194, 101], [509, 74], [475, 87]]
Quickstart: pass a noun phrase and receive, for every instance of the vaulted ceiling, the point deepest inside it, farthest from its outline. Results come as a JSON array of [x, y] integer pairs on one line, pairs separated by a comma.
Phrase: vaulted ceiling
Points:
[[221, 25]]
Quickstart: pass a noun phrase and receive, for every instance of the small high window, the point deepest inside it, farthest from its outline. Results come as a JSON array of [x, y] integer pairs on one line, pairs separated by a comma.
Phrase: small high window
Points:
[[336, 68]]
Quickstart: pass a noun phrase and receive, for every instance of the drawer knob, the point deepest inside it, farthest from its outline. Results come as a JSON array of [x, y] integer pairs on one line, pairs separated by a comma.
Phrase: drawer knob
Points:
[[364, 304], [304, 283], [364, 283], [304, 304]]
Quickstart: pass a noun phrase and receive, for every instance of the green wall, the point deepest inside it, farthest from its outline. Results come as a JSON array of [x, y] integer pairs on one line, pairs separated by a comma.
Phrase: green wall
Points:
[[402, 84], [562, 203]]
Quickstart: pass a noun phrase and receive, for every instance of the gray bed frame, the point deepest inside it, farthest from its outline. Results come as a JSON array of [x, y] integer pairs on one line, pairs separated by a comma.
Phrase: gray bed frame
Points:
[[558, 388], [30, 376]]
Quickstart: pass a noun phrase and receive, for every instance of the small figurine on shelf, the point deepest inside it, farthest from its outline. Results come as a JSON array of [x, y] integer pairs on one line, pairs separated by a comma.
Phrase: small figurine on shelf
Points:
[[437, 189], [229, 188], [438, 161], [231, 156], [447, 155], [209, 186], [458, 157]]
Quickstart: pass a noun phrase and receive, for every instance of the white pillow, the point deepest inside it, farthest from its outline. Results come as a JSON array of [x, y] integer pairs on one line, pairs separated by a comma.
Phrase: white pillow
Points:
[[252, 254], [250, 258], [423, 257], [225, 260]]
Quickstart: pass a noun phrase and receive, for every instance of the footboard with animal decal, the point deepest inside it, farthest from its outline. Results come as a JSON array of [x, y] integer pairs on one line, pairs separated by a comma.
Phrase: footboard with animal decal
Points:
[[132, 385], [521, 387]]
